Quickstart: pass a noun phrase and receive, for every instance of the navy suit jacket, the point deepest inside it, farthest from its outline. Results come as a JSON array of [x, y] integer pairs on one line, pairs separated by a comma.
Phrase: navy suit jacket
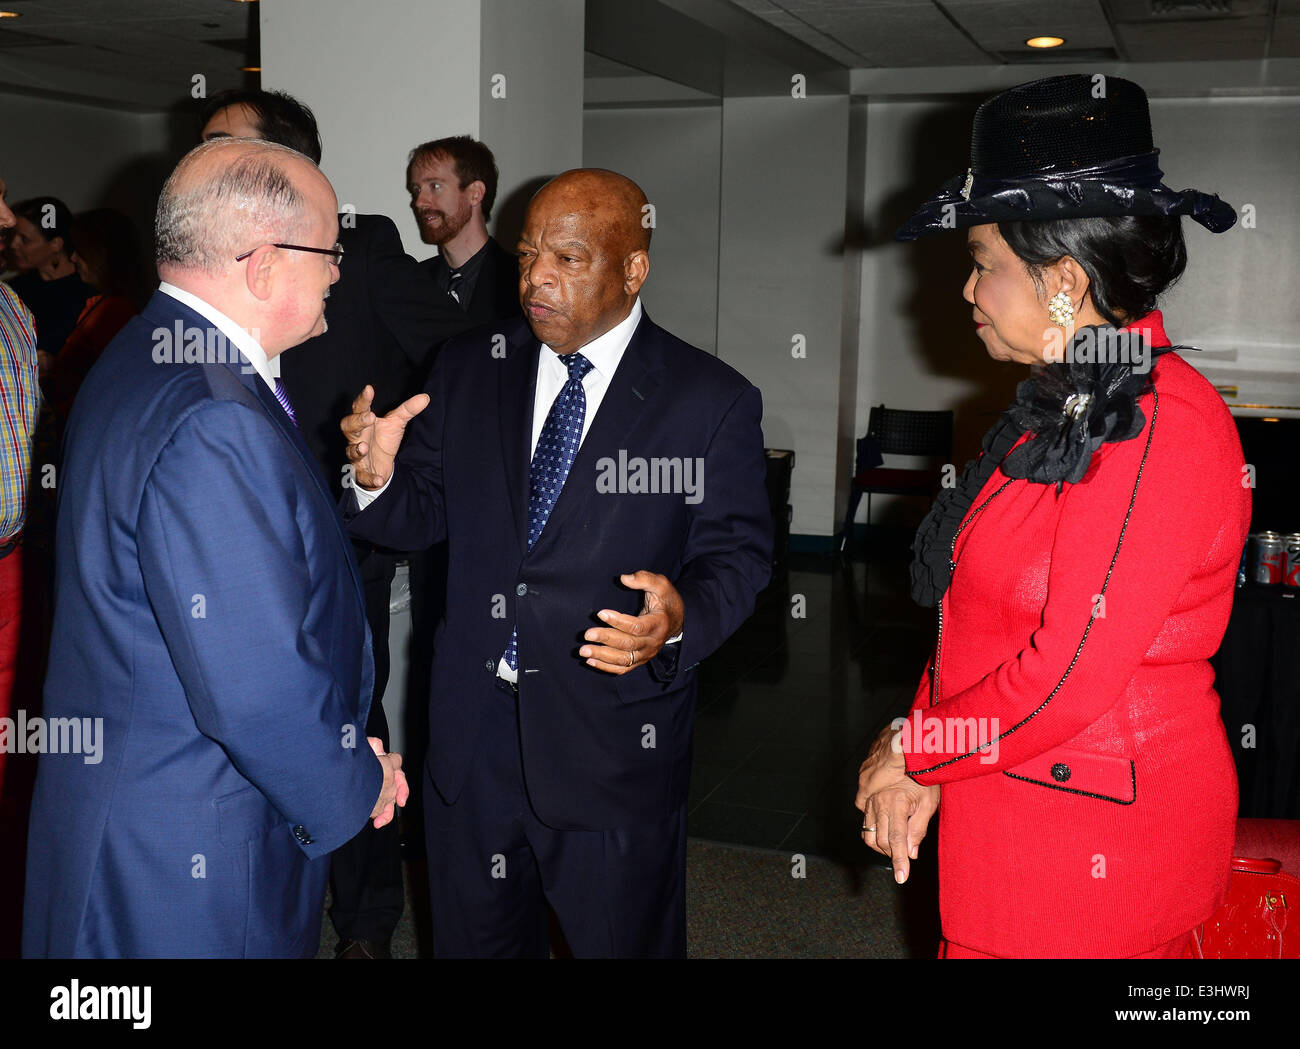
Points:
[[600, 751], [208, 609]]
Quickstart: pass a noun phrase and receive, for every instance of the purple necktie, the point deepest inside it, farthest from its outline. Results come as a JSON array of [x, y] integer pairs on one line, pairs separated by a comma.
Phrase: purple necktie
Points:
[[283, 398]]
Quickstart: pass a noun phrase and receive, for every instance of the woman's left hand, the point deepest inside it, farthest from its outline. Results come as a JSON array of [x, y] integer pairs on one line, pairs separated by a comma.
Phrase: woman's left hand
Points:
[[896, 809]]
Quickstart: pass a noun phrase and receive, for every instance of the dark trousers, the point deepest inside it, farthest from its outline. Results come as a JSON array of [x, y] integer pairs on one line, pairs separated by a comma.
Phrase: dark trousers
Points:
[[366, 873], [494, 866]]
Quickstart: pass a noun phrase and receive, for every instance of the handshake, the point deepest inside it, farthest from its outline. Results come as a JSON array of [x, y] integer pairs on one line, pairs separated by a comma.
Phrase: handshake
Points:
[[394, 790]]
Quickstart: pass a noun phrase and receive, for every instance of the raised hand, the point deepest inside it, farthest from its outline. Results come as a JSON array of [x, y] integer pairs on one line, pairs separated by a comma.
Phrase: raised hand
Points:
[[373, 441]]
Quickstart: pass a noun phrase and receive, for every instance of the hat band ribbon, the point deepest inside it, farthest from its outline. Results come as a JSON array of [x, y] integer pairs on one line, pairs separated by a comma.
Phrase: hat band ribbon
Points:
[[1136, 172]]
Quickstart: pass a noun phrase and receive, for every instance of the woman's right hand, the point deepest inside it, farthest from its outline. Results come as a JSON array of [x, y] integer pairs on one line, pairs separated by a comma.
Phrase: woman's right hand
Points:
[[896, 809]]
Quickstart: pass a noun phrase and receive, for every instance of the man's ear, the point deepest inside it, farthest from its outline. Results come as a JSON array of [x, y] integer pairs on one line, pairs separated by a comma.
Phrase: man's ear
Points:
[[260, 271], [477, 191], [636, 268]]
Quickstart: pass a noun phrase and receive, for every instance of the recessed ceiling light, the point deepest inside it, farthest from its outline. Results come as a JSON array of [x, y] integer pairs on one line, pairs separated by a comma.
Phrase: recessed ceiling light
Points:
[[1045, 41], [10, 14]]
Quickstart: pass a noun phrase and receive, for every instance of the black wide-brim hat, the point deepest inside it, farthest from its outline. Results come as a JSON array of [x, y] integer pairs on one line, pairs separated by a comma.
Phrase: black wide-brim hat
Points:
[[1060, 148]]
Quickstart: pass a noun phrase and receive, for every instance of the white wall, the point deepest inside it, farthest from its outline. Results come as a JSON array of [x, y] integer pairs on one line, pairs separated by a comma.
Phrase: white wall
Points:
[[675, 155], [1236, 300], [533, 120], [381, 78], [781, 264], [87, 156]]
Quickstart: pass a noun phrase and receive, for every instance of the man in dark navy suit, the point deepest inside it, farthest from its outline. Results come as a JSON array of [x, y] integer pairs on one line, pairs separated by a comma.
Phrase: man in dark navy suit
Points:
[[209, 629], [600, 485]]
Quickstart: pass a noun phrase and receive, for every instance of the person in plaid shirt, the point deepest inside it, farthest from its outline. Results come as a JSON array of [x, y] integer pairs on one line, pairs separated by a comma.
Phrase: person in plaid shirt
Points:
[[19, 401]]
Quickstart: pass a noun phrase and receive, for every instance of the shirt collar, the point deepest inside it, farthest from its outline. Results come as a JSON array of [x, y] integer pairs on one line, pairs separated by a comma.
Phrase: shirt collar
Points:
[[605, 351], [241, 339]]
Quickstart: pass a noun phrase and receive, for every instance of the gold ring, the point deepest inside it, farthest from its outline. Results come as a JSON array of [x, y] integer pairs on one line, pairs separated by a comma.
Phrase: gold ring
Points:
[[630, 659], [872, 829]]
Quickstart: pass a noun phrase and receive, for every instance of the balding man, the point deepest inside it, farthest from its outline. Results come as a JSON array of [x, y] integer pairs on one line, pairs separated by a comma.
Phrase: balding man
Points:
[[210, 655], [600, 485]]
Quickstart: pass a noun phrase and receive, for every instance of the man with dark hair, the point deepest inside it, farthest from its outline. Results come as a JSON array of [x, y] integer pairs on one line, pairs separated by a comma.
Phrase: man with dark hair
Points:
[[385, 315], [270, 115], [453, 185]]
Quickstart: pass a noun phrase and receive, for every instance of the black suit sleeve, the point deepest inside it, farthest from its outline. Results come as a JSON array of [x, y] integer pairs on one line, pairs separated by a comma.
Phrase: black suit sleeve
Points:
[[407, 300], [728, 556]]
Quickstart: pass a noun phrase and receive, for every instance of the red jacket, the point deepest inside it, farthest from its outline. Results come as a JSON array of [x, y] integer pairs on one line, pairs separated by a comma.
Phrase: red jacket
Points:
[[1101, 820]]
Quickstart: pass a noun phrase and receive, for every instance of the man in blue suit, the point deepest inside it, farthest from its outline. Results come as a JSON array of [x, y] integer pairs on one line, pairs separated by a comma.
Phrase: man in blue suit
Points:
[[209, 618], [600, 485]]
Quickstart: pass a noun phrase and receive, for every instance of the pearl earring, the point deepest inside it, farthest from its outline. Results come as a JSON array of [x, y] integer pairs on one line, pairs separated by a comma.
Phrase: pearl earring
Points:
[[1061, 310]]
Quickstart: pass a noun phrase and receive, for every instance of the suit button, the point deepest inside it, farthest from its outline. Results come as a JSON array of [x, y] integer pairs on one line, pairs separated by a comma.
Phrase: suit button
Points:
[[521, 589], [300, 832], [1060, 772]]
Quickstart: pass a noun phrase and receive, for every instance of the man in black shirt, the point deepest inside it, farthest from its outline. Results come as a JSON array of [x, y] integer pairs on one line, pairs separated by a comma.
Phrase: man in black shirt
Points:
[[453, 185]]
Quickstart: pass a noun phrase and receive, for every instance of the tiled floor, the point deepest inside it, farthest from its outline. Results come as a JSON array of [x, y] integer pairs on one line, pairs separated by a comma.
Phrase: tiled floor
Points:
[[789, 706], [787, 710]]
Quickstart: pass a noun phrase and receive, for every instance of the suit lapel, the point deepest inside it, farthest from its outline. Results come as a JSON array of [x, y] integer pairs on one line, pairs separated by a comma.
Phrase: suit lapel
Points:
[[516, 391], [254, 384], [630, 393]]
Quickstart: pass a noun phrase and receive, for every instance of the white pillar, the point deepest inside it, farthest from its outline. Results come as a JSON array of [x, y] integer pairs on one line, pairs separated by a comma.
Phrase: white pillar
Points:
[[382, 78]]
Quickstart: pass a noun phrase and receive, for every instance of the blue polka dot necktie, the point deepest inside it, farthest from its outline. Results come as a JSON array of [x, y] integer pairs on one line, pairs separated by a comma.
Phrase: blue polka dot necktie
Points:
[[556, 448]]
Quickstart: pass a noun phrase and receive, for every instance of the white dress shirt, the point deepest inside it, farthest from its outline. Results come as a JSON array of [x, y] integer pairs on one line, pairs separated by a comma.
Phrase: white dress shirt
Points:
[[604, 352], [238, 337]]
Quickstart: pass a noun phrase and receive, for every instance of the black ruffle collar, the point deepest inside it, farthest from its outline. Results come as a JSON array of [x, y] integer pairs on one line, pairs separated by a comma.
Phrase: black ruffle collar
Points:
[[1072, 408]]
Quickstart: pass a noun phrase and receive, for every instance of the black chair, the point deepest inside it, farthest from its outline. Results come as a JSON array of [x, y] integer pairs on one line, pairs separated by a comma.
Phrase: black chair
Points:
[[893, 431]]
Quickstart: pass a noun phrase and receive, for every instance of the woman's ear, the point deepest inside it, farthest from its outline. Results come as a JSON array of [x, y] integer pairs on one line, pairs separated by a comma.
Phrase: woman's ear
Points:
[[1072, 280]]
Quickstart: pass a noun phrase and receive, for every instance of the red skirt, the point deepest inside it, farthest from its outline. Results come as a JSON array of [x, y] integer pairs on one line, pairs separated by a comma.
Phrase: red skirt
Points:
[[1172, 949]]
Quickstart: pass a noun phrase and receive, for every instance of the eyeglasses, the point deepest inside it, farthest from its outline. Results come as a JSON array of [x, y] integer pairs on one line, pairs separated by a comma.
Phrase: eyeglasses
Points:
[[336, 251]]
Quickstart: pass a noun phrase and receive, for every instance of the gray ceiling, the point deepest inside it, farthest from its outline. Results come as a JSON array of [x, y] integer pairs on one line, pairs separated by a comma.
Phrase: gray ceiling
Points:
[[899, 33], [142, 54], [134, 54]]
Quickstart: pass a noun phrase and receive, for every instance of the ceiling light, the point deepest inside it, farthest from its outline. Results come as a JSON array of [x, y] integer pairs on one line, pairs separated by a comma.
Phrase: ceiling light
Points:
[[10, 14], [1045, 41], [250, 69]]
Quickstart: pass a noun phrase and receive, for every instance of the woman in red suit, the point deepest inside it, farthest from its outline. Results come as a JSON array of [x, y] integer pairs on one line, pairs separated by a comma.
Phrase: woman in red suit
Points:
[[1083, 567]]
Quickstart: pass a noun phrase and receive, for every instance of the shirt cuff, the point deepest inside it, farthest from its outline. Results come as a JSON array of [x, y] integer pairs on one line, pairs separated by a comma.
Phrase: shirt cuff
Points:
[[365, 496]]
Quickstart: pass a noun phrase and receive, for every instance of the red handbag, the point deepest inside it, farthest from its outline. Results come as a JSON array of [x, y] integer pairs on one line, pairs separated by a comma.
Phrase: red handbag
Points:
[[1252, 923]]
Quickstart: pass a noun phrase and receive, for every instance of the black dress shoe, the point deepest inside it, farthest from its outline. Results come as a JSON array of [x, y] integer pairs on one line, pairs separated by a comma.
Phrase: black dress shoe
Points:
[[362, 949]]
